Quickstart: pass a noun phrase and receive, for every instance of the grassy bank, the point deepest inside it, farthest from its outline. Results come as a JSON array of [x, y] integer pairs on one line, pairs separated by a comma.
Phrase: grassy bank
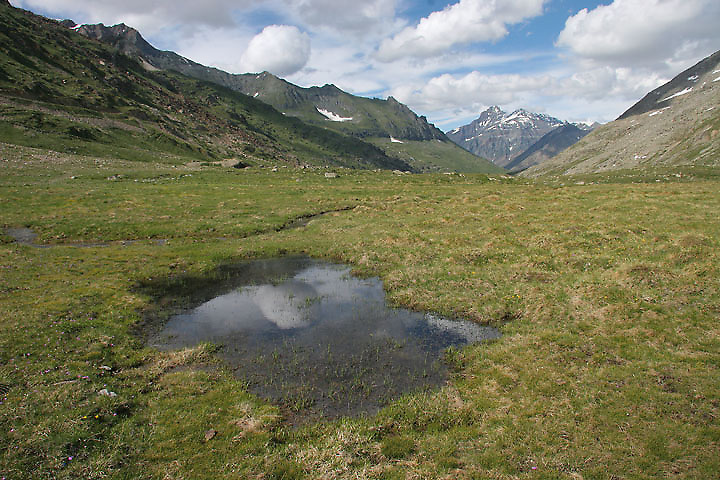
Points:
[[607, 296]]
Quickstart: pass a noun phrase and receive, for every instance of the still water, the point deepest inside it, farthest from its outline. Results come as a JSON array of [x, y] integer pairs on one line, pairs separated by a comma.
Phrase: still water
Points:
[[317, 340]]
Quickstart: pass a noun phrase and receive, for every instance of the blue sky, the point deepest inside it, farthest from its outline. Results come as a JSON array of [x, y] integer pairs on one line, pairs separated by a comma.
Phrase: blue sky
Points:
[[449, 60]]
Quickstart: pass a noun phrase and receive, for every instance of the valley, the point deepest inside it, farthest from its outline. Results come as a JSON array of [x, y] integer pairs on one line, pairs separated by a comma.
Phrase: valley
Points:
[[607, 307], [556, 323]]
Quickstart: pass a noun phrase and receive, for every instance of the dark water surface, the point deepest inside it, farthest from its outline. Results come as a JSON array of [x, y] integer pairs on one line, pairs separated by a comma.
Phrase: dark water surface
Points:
[[310, 336]]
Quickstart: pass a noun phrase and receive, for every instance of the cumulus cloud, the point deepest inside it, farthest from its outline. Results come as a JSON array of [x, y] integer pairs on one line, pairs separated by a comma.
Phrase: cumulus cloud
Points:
[[600, 93], [149, 16], [631, 33], [156, 15], [345, 15], [279, 49], [605, 82], [467, 21], [471, 90]]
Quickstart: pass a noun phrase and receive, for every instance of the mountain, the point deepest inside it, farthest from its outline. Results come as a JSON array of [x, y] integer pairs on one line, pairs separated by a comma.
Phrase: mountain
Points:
[[550, 145], [500, 136], [684, 83], [62, 91], [388, 124], [676, 124]]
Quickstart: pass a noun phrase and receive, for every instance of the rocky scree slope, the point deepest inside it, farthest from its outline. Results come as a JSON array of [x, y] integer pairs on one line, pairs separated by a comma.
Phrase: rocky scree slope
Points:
[[550, 145], [677, 124]]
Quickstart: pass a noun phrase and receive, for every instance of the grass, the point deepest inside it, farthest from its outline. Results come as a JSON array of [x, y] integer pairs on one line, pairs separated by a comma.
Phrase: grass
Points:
[[607, 296], [436, 156]]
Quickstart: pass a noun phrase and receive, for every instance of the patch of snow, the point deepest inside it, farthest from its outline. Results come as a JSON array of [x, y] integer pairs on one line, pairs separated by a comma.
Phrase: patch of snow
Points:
[[657, 112], [716, 80], [694, 78], [333, 117], [455, 131], [716, 71], [515, 117], [256, 94], [76, 27], [687, 90], [710, 109], [395, 140]]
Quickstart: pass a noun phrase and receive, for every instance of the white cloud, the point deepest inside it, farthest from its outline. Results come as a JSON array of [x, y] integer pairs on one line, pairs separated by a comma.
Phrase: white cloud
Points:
[[279, 49], [607, 57], [599, 94], [470, 91], [632, 33], [345, 15], [213, 46], [595, 84], [467, 21], [147, 16], [156, 15]]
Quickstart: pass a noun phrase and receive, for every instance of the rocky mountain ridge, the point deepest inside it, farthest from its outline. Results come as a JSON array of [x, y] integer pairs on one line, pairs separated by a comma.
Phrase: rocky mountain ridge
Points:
[[393, 119], [550, 145], [378, 121], [684, 83], [677, 124], [64, 92], [500, 136]]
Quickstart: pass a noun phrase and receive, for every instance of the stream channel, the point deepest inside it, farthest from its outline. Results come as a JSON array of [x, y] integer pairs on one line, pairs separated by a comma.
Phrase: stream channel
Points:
[[308, 335]]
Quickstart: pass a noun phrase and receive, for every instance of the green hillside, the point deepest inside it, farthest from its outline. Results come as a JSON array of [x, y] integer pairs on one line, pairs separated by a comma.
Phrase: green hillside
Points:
[[435, 156], [60, 91], [360, 117]]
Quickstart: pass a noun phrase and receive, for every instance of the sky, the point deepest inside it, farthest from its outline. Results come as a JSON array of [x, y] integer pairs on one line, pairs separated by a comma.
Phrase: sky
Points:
[[577, 60]]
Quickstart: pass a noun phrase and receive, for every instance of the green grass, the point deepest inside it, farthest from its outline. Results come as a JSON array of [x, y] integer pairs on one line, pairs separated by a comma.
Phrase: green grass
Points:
[[607, 295], [436, 156]]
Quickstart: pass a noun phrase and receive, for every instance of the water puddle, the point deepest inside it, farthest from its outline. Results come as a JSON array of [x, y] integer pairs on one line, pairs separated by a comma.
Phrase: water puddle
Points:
[[22, 235], [303, 221], [308, 335], [27, 237]]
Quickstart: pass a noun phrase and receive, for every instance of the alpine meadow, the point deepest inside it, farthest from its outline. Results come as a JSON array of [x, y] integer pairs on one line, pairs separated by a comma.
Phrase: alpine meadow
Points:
[[137, 186]]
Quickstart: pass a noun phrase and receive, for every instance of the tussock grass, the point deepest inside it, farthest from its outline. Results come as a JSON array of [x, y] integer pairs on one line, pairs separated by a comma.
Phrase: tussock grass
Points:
[[607, 296]]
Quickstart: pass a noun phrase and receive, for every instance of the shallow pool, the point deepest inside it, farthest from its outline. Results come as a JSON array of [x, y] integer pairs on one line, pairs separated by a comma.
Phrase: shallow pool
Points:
[[312, 337]]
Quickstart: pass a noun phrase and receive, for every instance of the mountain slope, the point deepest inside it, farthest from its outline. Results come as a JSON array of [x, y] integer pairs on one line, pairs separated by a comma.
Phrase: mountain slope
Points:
[[500, 136], [684, 83], [676, 124], [550, 145], [327, 106], [61, 91]]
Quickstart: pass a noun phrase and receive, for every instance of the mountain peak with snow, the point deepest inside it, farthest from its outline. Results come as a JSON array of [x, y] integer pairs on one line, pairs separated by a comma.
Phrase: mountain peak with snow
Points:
[[500, 136]]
